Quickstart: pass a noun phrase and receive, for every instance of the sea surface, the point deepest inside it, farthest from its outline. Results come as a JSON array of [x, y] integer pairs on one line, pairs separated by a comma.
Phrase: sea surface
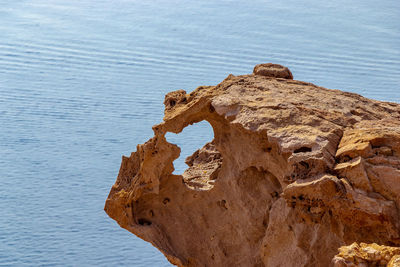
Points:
[[82, 82]]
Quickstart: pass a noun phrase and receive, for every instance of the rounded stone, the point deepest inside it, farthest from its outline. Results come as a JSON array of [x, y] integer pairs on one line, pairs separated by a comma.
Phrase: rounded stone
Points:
[[273, 70]]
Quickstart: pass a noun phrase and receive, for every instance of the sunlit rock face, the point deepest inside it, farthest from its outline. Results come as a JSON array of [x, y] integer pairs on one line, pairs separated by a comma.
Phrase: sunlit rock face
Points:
[[367, 255], [294, 172]]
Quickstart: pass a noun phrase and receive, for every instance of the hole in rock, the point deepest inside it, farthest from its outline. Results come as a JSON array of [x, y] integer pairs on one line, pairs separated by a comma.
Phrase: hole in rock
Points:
[[303, 149], [144, 222], [192, 138]]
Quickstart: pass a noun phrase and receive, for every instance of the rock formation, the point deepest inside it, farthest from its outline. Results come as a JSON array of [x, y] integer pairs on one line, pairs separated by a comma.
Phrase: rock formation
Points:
[[367, 255], [294, 172]]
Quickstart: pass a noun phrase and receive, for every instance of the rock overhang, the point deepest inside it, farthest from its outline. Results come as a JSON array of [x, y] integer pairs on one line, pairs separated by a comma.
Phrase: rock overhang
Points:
[[325, 153]]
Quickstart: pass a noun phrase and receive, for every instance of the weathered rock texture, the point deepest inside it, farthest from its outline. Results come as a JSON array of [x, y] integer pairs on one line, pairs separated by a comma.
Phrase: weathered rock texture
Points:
[[367, 255], [294, 172]]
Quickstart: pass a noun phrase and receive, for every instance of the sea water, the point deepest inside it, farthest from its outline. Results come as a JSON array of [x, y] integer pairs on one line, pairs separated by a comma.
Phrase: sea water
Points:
[[82, 82]]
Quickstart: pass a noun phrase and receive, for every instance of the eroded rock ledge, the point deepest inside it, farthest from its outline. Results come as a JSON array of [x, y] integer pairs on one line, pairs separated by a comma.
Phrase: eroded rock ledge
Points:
[[294, 172]]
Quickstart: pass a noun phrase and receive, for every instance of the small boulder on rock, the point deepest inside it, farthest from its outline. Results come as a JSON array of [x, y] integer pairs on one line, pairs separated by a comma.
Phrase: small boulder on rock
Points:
[[273, 70]]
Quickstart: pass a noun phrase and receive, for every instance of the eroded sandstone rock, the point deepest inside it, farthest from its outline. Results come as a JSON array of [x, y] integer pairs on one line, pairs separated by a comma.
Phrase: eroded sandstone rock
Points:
[[294, 172], [367, 255]]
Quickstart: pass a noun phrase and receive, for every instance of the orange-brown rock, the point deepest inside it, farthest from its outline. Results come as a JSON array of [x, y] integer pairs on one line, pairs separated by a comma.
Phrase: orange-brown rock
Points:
[[367, 255], [295, 171], [273, 70]]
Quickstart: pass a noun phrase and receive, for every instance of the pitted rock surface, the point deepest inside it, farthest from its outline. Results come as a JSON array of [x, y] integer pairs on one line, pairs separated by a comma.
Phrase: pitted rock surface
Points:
[[294, 172], [368, 255]]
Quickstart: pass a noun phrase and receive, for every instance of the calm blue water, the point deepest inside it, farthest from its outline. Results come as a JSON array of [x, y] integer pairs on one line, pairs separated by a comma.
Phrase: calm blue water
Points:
[[82, 82]]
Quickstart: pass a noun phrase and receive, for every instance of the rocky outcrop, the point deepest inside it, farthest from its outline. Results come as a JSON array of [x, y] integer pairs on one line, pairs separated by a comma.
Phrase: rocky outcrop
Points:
[[294, 172]]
